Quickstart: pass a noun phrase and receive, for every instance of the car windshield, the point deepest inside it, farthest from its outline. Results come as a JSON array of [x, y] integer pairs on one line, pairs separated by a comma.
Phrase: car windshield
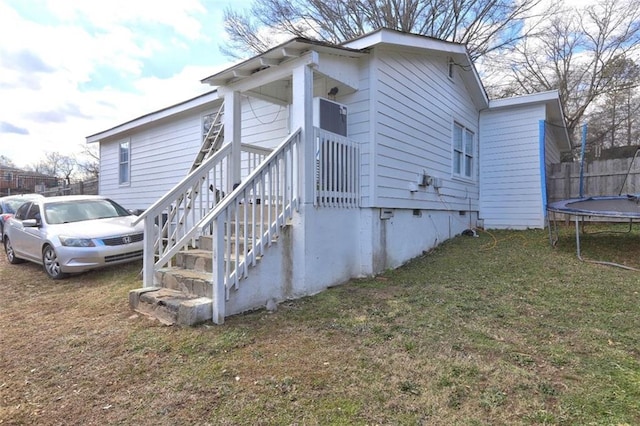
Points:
[[80, 210]]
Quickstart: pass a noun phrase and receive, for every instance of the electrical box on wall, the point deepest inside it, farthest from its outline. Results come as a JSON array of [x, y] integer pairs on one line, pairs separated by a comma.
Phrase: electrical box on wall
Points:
[[386, 214], [330, 116]]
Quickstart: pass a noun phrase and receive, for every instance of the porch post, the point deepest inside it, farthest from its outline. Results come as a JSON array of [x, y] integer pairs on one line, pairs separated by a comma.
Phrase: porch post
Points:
[[233, 134], [302, 116]]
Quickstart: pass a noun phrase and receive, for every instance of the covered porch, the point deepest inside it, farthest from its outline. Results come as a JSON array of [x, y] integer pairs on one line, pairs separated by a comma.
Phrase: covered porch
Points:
[[246, 190]]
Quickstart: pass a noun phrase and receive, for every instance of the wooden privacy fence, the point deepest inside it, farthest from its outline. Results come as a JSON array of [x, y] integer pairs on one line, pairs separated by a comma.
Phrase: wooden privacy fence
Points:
[[601, 177]]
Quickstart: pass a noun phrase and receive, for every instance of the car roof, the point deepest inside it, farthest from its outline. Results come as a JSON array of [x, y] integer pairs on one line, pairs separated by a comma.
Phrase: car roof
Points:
[[66, 198], [27, 197]]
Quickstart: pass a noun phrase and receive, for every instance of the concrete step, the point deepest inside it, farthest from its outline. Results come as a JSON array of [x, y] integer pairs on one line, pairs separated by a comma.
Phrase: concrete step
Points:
[[258, 211], [200, 262], [170, 306], [205, 244], [195, 259], [188, 281]]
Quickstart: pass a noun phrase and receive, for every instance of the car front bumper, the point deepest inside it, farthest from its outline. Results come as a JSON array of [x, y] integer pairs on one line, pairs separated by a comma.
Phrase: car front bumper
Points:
[[79, 259]]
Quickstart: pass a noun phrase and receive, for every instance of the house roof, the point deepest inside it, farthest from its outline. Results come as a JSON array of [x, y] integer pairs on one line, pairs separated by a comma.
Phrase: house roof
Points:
[[153, 117], [278, 55], [355, 48], [456, 51], [555, 115]]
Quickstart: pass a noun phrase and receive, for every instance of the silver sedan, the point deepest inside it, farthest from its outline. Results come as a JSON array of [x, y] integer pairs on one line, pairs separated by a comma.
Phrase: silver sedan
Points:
[[72, 234]]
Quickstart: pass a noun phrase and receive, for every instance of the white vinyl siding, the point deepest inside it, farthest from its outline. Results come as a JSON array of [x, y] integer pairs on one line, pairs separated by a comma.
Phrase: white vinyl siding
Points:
[[415, 105], [161, 154], [359, 127], [511, 192], [264, 124]]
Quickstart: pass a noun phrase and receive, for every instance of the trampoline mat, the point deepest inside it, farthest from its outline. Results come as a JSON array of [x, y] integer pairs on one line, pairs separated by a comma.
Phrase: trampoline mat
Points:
[[622, 206]]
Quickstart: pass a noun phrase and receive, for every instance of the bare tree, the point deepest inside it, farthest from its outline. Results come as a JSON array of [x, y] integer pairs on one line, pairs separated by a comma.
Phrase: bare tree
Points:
[[89, 162], [483, 25], [56, 164], [6, 161], [580, 54]]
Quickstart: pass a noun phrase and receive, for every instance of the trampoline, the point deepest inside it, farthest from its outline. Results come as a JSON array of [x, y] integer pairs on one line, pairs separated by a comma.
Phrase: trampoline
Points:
[[619, 207]]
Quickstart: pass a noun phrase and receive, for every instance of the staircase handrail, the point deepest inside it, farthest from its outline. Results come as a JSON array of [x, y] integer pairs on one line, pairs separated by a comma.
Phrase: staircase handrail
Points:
[[254, 149], [225, 203], [231, 198], [185, 183]]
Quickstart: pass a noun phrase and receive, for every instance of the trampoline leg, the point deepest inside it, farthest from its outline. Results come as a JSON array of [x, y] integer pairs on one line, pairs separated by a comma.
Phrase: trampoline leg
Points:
[[552, 232], [578, 238]]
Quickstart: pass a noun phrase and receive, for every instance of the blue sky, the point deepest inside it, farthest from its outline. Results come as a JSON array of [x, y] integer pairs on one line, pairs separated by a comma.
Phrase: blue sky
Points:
[[72, 68]]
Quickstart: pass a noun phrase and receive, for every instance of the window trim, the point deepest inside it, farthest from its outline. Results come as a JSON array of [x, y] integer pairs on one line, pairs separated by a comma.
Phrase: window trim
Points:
[[459, 155], [122, 163]]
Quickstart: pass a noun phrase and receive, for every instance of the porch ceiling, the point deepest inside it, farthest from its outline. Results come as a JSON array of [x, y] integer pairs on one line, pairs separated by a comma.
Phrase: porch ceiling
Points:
[[279, 91], [276, 57]]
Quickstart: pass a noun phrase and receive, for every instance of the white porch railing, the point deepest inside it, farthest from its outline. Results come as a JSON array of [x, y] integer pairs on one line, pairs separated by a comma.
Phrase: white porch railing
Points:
[[244, 221], [171, 222], [249, 219], [337, 171]]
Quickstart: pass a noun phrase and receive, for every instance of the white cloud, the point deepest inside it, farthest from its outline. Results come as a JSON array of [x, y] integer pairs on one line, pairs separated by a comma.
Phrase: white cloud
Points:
[[85, 66]]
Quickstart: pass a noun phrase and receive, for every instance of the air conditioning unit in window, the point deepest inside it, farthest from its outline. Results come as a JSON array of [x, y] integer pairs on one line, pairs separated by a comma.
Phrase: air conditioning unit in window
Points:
[[330, 116]]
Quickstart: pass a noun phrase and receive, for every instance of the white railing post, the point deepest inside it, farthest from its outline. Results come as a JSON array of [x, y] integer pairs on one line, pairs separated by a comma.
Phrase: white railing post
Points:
[[218, 291], [149, 252], [302, 116]]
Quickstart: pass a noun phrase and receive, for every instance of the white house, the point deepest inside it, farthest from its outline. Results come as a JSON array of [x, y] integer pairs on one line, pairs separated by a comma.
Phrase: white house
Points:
[[314, 163]]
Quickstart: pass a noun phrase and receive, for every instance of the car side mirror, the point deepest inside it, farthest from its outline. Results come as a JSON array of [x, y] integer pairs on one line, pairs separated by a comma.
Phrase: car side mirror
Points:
[[30, 223]]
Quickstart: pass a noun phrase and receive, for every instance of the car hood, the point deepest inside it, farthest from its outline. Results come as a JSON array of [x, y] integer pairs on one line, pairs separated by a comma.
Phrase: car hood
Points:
[[98, 228]]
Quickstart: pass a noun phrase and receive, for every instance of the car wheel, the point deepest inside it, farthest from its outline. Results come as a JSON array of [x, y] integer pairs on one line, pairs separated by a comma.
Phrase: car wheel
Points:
[[51, 264], [11, 255]]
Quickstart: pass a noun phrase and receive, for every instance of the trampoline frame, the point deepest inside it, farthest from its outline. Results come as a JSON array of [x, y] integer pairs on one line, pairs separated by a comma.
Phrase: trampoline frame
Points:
[[579, 215]]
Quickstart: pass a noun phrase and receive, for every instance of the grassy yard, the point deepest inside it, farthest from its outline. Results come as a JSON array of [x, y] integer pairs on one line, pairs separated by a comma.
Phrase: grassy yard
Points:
[[500, 329]]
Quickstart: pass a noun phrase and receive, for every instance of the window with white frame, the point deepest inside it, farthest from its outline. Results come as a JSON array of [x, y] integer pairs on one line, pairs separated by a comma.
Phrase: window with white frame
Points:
[[124, 162], [462, 151]]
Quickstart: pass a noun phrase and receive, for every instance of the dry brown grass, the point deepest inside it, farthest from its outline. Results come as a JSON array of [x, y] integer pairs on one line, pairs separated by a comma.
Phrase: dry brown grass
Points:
[[500, 329]]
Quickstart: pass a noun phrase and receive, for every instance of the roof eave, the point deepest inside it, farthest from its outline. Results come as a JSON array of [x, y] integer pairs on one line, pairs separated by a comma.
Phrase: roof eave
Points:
[[277, 56], [152, 117]]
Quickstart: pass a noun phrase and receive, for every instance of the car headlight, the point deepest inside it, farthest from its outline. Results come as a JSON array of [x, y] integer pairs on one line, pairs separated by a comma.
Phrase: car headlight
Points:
[[76, 242]]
